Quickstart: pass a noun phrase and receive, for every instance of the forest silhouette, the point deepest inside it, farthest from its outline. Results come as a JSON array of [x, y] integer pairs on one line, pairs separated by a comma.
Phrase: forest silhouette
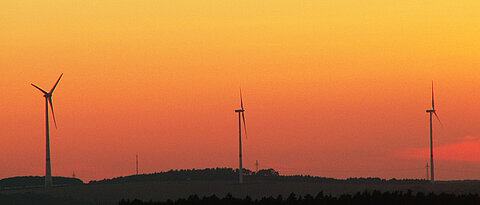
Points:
[[208, 174], [367, 198], [232, 174]]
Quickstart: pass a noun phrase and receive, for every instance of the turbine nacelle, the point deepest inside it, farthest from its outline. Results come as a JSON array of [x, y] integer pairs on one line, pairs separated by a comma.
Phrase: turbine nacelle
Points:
[[239, 110], [430, 111]]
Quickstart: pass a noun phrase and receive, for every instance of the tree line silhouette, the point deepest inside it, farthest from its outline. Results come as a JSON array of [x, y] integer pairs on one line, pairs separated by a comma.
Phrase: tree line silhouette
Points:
[[364, 198], [197, 174], [232, 174], [35, 181]]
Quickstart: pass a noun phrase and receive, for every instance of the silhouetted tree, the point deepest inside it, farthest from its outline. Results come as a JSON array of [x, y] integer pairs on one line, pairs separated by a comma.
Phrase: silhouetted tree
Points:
[[267, 172], [370, 198]]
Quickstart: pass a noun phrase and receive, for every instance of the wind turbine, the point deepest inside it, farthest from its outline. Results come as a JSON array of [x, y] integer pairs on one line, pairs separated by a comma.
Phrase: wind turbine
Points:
[[241, 115], [48, 100], [432, 112]]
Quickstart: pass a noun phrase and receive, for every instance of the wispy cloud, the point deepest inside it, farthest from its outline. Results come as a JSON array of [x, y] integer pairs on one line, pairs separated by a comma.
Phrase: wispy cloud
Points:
[[466, 149], [468, 138]]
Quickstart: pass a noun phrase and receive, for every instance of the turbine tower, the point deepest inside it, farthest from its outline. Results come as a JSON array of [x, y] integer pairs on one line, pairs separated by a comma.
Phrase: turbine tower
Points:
[[48, 100], [432, 112], [241, 115]]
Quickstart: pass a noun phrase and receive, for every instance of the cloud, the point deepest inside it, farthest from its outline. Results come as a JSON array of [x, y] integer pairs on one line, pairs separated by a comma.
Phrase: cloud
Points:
[[468, 138], [467, 149]]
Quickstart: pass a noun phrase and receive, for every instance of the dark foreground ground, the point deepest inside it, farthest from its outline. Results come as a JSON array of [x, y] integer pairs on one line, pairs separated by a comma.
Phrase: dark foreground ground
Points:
[[164, 190]]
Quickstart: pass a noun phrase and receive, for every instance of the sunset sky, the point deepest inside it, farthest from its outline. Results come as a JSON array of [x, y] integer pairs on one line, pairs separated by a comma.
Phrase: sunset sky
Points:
[[331, 88]]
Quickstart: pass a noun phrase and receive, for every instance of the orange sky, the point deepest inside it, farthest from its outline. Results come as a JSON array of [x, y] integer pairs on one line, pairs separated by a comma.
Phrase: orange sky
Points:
[[331, 88]]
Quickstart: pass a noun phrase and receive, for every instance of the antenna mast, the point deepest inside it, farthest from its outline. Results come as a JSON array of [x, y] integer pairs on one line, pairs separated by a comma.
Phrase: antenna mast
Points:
[[137, 163], [426, 167]]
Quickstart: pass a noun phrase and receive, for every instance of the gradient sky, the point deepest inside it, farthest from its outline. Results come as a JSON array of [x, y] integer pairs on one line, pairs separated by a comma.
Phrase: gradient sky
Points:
[[331, 88]]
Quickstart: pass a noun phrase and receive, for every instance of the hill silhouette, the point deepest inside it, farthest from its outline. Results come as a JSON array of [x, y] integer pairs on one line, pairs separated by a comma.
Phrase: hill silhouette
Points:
[[180, 184], [232, 174], [35, 181]]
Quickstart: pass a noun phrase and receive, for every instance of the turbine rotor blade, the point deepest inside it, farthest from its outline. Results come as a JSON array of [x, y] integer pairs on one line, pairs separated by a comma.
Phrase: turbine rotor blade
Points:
[[433, 101], [243, 113], [51, 91], [53, 113], [241, 100], [244, 124], [436, 116], [43, 91]]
